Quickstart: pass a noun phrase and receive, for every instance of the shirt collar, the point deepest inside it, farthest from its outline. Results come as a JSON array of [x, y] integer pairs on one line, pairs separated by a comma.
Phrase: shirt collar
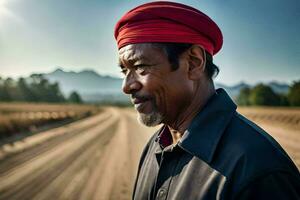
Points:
[[164, 137], [203, 135]]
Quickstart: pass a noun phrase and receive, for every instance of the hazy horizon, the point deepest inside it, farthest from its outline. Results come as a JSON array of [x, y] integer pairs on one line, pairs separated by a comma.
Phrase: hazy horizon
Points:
[[115, 76], [261, 42]]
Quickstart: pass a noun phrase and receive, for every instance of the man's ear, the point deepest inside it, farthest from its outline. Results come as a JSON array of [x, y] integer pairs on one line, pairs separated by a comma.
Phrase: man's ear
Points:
[[197, 61]]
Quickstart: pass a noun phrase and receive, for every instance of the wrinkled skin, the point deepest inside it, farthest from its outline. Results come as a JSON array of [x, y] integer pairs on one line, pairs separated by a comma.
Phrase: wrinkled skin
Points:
[[160, 94]]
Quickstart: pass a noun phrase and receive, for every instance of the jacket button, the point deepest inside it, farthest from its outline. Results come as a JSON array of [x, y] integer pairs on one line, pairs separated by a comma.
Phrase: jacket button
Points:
[[161, 193]]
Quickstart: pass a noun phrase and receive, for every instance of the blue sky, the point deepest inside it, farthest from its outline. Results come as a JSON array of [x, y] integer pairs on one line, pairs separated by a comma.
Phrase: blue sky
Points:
[[261, 37]]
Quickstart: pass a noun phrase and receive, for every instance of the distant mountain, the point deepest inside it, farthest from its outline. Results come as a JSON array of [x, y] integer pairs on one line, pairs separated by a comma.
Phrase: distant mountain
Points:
[[233, 91], [89, 84], [280, 88], [94, 87]]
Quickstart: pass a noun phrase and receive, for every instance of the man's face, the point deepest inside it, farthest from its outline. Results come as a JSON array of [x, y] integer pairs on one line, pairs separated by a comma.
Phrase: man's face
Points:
[[158, 93]]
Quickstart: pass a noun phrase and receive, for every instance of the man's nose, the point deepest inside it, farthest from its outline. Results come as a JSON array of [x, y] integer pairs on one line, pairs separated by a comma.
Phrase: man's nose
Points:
[[131, 84]]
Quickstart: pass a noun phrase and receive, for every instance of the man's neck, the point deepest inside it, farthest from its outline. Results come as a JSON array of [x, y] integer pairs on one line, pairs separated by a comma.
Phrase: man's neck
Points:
[[176, 135], [178, 128]]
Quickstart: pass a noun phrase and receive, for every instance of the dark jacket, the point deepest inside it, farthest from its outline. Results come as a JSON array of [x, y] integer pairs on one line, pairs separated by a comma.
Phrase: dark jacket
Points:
[[222, 155]]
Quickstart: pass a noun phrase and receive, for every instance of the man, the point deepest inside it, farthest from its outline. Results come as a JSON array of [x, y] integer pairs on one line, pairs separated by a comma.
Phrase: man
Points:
[[205, 149]]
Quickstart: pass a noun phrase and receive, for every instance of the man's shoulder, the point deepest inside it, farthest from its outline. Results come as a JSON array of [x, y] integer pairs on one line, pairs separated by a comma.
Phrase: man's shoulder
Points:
[[250, 150], [250, 139], [249, 155]]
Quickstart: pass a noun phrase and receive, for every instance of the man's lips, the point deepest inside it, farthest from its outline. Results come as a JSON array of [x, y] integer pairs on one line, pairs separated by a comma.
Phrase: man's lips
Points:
[[140, 103], [141, 106], [138, 100]]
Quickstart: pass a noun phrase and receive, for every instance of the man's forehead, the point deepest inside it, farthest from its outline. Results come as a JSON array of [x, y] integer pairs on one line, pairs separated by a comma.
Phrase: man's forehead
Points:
[[132, 52]]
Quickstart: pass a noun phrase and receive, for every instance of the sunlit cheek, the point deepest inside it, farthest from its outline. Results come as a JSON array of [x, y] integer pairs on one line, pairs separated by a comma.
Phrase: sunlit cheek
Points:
[[154, 85]]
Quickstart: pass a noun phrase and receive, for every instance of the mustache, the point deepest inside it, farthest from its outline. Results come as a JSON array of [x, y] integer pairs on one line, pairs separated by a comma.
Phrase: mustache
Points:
[[140, 97]]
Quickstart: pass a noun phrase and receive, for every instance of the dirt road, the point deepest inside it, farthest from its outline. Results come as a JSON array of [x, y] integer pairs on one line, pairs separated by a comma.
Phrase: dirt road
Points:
[[95, 158]]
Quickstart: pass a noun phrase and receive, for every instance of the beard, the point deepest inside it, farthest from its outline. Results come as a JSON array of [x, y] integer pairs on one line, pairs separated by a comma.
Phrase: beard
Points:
[[150, 119]]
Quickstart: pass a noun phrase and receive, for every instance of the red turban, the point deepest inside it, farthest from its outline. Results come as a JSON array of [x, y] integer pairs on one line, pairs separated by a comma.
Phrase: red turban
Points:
[[163, 21]]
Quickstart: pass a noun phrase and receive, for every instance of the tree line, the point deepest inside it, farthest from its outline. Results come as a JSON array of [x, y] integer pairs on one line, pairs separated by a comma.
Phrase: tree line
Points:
[[264, 95], [36, 88]]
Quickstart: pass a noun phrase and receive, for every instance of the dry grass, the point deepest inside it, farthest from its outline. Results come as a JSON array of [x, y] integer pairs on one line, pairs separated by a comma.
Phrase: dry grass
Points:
[[20, 117]]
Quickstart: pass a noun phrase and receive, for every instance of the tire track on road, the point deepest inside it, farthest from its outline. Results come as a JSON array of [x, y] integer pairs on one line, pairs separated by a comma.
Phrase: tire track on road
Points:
[[38, 173], [28, 155], [70, 183]]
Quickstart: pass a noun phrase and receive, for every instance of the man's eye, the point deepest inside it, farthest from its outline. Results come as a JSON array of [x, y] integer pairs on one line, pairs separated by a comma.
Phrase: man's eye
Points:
[[124, 71], [141, 68]]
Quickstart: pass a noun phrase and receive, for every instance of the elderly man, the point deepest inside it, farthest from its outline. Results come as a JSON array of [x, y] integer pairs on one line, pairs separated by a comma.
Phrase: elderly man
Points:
[[205, 149]]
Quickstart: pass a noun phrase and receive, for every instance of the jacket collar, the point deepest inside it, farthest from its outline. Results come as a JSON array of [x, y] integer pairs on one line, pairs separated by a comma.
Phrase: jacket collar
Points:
[[204, 133]]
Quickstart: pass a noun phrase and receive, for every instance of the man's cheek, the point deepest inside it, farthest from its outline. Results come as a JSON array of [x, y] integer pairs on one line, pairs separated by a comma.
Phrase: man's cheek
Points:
[[160, 102]]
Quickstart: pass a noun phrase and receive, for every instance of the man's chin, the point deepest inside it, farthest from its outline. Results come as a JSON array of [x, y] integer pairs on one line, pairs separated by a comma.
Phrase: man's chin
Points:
[[150, 119]]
